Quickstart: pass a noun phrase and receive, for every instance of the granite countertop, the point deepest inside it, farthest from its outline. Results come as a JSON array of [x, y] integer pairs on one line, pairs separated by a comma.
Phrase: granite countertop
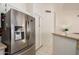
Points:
[[2, 46], [71, 36]]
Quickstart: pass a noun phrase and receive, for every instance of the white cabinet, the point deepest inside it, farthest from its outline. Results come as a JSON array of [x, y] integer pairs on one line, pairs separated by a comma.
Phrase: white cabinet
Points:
[[64, 46]]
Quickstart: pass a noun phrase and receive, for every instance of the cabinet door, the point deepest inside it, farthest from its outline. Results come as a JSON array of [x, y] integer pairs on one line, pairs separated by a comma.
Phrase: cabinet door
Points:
[[64, 46]]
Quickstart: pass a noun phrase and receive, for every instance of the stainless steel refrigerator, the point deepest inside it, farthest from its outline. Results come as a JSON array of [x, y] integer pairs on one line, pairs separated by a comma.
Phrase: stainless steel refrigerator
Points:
[[19, 35]]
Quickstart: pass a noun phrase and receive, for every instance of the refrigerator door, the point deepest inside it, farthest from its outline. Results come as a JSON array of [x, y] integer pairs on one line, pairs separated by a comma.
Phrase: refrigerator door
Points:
[[17, 19], [30, 34]]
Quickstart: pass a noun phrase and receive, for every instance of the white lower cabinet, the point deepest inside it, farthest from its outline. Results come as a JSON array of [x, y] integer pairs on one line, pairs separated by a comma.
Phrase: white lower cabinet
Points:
[[64, 46]]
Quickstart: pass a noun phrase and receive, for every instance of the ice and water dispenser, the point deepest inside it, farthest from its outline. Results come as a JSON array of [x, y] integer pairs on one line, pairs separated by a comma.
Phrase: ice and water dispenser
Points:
[[19, 33]]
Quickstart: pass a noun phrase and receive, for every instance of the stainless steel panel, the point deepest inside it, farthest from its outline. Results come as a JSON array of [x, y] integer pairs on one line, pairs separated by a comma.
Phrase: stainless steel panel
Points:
[[30, 34], [16, 18], [20, 44], [27, 51]]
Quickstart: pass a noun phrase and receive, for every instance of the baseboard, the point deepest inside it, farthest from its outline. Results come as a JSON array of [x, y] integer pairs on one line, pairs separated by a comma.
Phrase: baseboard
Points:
[[39, 48]]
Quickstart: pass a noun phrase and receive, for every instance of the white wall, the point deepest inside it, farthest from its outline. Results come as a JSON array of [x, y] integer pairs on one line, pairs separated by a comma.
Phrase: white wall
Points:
[[29, 8], [67, 16], [46, 23], [38, 18], [58, 10], [71, 12], [23, 7]]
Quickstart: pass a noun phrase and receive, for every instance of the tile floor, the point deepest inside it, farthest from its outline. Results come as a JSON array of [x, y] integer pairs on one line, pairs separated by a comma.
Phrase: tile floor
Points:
[[45, 50]]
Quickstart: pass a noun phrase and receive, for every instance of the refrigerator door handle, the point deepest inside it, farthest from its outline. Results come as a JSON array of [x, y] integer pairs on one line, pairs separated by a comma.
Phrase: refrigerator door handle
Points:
[[28, 31], [28, 36]]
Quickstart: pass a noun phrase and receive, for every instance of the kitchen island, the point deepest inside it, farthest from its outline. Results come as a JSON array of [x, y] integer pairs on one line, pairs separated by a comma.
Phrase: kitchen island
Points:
[[65, 44]]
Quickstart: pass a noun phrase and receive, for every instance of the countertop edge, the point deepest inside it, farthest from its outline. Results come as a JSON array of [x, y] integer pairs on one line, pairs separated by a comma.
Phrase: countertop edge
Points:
[[66, 36]]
